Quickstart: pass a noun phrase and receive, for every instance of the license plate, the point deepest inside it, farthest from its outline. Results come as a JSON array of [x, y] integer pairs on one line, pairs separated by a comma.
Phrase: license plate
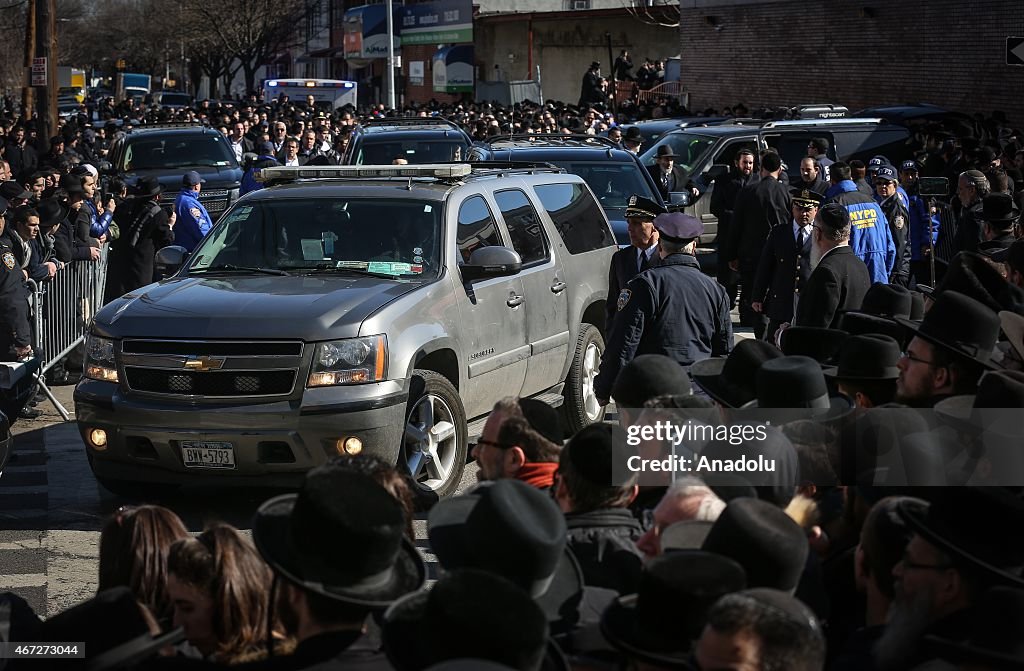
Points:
[[201, 454]]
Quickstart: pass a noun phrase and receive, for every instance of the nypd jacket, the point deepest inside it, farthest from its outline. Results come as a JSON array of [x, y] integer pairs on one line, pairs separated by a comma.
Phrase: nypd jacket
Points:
[[919, 223], [870, 238], [672, 309], [898, 217], [193, 221]]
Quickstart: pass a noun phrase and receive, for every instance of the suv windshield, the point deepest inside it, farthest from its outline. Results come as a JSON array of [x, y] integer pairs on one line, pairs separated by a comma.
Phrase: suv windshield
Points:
[[690, 149], [178, 151], [384, 237], [175, 99], [384, 152], [612, 183]]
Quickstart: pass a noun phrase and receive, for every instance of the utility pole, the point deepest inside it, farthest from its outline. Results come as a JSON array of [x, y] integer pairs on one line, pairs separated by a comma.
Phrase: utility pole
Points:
[[391, 55], [46, 47], [27, 92]]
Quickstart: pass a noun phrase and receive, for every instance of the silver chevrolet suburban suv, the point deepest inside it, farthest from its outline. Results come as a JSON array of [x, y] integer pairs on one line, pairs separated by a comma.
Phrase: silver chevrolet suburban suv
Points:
[[349, 309]]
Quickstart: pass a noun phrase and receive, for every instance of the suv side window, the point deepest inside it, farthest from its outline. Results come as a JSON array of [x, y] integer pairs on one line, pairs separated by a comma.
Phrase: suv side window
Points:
[[577, 216], [477, 227], [524, 225]]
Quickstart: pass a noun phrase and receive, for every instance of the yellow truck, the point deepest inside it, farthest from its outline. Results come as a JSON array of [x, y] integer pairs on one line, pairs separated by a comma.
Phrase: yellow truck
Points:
[[71, 83]]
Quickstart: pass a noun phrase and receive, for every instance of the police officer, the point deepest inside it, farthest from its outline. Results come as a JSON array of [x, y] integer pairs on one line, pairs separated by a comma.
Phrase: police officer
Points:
[[641, 254], [193, 221], [671, 309], [870, 238], [786, 262], [15, 332], [886, 183], [922, 223]]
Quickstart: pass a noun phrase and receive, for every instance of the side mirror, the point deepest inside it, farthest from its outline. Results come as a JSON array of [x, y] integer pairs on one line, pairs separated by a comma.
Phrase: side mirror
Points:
[[105, 168], [491, 262], [679, 198], [170, 259]]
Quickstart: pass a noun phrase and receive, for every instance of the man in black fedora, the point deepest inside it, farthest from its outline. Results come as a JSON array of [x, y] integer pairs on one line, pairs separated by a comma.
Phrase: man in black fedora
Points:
[[731, 381], [867, 369], [632, 140], [999, 214], [641, 254], [668, 176], [962, 544], [948, 352], [975, 275], [785, 263], [821, 344], [146, 227], [338, 552]]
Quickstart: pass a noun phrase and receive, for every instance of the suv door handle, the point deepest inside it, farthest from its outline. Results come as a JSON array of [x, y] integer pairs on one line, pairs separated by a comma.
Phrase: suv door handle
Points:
[[558, 287], [514, 301]]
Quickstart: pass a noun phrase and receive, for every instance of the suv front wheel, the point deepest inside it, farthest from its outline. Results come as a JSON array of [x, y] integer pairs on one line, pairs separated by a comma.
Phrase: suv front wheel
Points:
[[434, 443], [580, 406]]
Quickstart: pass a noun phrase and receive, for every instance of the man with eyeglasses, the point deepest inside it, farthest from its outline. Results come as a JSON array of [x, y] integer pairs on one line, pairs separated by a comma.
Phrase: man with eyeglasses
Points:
[[887, 197], [521, 439], [278, 138]]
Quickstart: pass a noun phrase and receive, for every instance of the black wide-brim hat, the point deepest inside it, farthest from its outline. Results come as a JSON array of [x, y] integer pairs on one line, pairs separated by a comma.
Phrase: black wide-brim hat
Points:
[[147, 187], [271, 533], [619, 625], [665, 151], [51, 212], [955, 311], [731, 380]]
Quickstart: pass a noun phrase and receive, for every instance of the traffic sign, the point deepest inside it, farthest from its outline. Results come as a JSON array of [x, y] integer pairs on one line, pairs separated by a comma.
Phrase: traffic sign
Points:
[[1015, 50], [39, 72]]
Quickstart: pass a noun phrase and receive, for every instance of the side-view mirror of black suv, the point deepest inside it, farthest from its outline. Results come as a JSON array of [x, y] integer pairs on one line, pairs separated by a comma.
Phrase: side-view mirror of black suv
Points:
[[105, 168], [492, 261], [170, 259]]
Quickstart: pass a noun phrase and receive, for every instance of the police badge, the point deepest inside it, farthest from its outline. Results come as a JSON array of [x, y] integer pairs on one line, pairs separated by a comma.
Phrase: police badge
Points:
[[898, 222], [632, 200], [9, 260], [623, 298], [195, 212]]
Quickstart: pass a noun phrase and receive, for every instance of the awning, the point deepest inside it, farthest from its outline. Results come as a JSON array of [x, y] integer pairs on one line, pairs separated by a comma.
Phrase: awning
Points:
[[329, 52]]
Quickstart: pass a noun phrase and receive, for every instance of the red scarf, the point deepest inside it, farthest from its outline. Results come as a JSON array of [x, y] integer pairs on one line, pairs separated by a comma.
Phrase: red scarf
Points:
[[540, 475]]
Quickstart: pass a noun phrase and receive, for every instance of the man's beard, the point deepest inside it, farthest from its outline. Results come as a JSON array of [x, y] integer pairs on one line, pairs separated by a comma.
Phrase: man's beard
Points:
[[909, 618]]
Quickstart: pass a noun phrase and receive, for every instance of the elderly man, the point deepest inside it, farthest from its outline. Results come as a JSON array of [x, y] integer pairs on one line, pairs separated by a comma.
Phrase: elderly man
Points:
[[671, 309], [638, 257]]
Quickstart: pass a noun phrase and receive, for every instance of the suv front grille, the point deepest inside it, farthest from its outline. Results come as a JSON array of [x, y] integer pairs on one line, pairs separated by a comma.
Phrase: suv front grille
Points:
[[218, 384]]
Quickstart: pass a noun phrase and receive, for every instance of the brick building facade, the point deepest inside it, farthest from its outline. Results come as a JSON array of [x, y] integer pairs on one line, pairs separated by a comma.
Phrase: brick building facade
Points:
[[780, 52]]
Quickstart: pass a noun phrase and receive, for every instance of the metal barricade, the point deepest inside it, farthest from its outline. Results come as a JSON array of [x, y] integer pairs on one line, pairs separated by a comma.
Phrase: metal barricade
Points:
[[62, 309], [664, 90]]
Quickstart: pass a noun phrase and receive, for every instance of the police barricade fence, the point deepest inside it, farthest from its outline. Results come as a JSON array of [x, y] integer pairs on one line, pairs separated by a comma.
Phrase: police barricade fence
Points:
[[62, 309]]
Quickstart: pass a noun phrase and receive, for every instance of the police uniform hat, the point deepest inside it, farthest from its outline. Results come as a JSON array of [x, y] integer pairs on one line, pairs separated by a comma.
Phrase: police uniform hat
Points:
[[877, 162], [806, 197], [886, 172], [678, 227], [645, 208], [909, 164], [191, 178]]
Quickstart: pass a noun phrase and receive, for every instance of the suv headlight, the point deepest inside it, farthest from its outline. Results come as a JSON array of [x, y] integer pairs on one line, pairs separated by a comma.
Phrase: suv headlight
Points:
[[349, 361], [99, 359]]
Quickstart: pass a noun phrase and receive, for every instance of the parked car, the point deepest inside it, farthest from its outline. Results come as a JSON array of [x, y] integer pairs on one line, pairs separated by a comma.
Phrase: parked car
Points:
[[413, 139]]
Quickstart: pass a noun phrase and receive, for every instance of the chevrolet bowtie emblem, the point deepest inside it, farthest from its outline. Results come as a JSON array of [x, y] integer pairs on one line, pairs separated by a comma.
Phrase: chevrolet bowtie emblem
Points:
[[204, 363]]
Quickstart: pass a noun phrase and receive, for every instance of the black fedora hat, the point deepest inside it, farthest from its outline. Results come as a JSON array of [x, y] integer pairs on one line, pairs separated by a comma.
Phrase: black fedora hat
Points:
[[51, 212], [763, 539], [867, 357], [971, 524], [861, 323], [795, 386], [732, 380], [887, 300], [973, 275], [72, 185], [820, 344], [660, 623], [148, 186], [995, 640], [999, 208], [467, 613], [516, 531], [633, 135], [647, 376], [665, 151], [113, 629], [873, 447], [341, 536], [916, 306], [990, 410], [960, 325]]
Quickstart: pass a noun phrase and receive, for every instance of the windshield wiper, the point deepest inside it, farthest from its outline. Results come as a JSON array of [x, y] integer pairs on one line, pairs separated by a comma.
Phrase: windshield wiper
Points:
[[247, 269], [349, 269]]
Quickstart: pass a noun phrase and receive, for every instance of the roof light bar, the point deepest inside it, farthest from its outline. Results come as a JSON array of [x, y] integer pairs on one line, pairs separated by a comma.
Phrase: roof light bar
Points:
[[334, 171]]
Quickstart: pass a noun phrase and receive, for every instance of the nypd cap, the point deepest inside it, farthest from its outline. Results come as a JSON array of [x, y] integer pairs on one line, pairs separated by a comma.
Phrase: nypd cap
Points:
[[638, 206], [191, 178], [909, 164], [886, 172], [678, 227]]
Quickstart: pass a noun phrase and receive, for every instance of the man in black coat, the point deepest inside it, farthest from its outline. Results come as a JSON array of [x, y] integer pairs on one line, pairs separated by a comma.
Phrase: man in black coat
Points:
[[810, 176], [641, 254], [668, 176], [839, 280], [760, 207], [20, 154], [145, 228], [590, 88], [16, 332], [723, 203], [786, 262]]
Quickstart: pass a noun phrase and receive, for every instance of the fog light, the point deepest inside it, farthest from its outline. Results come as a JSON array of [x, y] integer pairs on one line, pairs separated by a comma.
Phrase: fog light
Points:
[[350, 445], [98, 438]]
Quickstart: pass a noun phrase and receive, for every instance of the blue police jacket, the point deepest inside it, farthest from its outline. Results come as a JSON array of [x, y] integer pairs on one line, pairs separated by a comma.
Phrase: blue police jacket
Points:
[[672, 309], [870, 237], [919, 222], [193, 221], [97, 225]]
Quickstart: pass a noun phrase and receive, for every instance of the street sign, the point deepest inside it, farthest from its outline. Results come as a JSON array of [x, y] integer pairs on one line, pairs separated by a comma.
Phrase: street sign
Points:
[[38, 72], [1015, 50]]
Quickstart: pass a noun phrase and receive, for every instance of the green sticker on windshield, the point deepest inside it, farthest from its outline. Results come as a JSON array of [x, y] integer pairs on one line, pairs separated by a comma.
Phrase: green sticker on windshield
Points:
[[389, 267]]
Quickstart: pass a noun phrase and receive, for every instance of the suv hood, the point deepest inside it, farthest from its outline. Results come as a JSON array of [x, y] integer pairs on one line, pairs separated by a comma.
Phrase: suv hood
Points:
[[225, 177], [317, 307]]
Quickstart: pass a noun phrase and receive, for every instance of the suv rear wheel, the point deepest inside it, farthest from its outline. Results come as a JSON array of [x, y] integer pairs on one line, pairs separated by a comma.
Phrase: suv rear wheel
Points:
[[581, 407], [435, 441]]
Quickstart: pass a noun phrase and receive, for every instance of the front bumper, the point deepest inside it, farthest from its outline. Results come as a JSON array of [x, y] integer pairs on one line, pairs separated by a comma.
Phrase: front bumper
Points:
[[274, 443]]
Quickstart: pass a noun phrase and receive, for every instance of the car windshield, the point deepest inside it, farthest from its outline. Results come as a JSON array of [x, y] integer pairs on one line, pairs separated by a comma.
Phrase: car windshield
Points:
[[394, 238], [690, 149], [612, 183], [207, 150], [413, 151], [175, 99]]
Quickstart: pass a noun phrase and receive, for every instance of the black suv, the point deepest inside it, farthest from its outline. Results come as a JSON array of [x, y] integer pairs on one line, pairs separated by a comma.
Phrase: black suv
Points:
[[612, 173], [417, 140], [168, 151]]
